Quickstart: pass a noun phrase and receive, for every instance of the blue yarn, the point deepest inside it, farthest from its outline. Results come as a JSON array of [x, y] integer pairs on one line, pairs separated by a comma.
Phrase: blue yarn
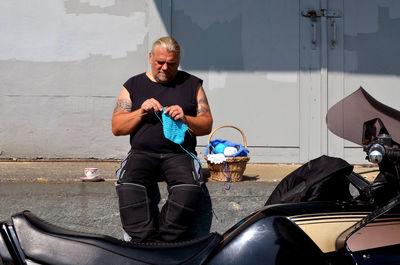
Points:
[[175, 130], [242, 151], [219, 148]]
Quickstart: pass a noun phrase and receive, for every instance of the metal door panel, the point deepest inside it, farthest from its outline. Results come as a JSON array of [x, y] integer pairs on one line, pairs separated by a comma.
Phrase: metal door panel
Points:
[[247, 53]]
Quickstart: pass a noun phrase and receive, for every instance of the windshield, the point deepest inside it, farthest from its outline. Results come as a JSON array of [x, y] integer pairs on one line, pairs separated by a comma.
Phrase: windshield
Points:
[[347, 118]]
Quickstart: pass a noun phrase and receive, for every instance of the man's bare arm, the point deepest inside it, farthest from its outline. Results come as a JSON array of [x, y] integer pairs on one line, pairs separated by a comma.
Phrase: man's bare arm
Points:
[[202, 102], [124, 121], [124, 105], [201, 124]]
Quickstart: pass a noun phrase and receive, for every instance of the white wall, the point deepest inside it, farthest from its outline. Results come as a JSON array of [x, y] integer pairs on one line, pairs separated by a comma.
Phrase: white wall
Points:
[[62, 65]]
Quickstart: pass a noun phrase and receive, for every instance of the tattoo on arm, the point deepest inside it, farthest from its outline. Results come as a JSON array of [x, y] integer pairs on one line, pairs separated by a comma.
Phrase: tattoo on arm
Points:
[[202, 109], [123, 105], [202, 102]]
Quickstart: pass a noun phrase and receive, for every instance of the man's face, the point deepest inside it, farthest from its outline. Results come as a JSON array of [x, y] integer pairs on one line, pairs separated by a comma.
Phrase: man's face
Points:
[[164, 65]]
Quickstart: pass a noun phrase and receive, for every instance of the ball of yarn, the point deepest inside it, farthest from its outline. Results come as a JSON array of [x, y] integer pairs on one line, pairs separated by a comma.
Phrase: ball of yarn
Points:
[[219, 148], [230, 151]]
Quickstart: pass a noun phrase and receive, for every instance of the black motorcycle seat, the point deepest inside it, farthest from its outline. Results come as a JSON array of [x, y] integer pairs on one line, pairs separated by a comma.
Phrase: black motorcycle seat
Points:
[[43, 242]]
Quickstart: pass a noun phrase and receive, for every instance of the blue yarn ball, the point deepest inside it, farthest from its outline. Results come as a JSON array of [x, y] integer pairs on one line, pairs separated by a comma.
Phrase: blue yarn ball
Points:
[[219, 148]]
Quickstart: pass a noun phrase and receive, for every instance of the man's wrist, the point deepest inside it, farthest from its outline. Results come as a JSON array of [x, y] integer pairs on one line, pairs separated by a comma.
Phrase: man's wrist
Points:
[[184, 120]]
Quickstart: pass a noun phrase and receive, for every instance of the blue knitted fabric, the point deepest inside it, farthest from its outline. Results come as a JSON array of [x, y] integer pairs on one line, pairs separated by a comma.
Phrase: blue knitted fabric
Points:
[[174, 130], [242, 151]]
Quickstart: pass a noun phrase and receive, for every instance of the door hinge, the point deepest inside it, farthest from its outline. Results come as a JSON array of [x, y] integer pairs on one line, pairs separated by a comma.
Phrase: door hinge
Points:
[[313, 14]]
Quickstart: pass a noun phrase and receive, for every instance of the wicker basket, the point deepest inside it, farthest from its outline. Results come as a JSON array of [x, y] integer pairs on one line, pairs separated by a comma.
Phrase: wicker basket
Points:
[[235, 165]]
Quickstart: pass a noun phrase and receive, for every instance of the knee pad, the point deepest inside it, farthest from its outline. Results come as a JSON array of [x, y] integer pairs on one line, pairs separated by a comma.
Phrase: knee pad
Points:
[[133, 204], [182, 204], [135, 211]]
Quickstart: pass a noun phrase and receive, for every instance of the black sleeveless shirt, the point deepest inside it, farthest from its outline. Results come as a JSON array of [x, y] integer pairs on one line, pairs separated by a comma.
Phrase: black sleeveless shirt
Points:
[[181, 91]]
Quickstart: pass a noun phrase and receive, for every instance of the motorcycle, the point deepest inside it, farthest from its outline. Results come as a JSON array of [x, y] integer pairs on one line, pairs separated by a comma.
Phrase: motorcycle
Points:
[[324, 213]]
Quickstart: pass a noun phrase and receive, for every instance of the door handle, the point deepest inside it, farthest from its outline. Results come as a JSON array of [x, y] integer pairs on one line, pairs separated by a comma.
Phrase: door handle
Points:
[[313, 15], [334, 34], [314, 35]]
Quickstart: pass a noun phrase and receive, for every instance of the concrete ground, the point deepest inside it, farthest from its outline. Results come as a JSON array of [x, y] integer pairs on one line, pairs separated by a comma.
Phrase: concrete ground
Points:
[[70, 171], [53, 191]]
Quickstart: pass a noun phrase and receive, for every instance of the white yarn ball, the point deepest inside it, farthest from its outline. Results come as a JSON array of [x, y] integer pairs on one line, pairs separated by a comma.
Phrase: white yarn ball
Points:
[[230, 151]]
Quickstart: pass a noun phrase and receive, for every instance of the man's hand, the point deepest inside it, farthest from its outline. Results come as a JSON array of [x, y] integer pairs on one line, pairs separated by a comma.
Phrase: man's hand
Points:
[[199, 125], [176, 112], [151, 105]]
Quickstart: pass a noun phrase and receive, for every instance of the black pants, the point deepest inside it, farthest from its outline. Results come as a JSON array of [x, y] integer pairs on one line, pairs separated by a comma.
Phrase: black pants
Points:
[[137, 190]]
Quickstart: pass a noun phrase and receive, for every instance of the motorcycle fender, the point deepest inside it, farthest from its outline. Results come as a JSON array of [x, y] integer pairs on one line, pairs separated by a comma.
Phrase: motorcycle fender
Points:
[[270, 240]]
